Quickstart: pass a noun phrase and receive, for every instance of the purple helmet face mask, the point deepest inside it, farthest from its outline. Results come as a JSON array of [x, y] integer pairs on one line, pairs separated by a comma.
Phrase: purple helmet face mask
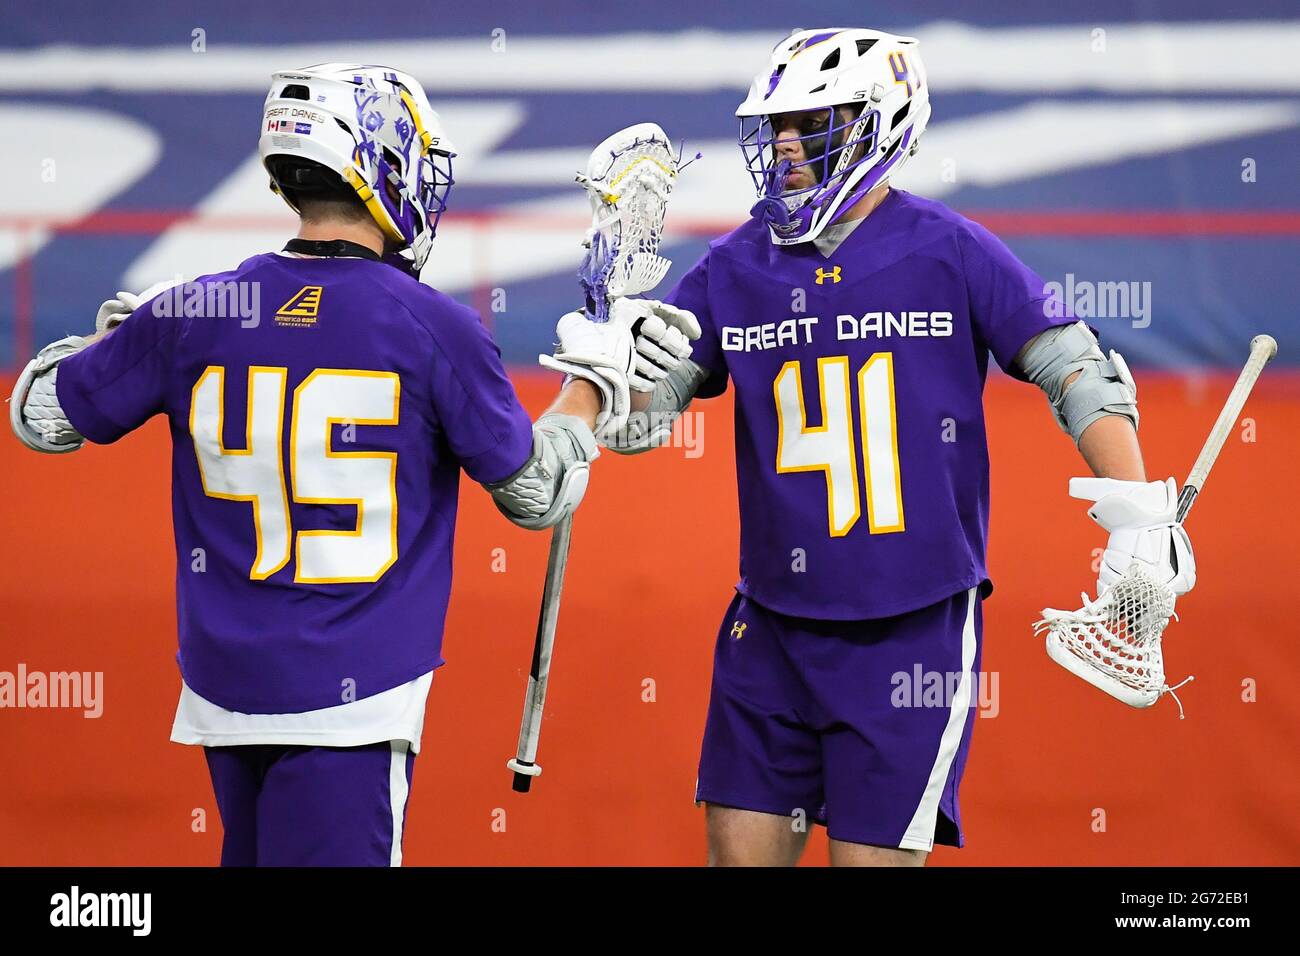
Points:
[[435, 185], [790, 213]]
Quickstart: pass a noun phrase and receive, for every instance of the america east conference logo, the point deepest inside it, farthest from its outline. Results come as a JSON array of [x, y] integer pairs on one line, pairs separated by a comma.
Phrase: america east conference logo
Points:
[[300, 311]]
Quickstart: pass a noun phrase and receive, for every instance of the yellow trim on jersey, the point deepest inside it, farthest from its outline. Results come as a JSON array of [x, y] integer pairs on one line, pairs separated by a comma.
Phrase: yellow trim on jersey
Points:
[[888, 359], [220, 372], [330, 422], [824, 427]]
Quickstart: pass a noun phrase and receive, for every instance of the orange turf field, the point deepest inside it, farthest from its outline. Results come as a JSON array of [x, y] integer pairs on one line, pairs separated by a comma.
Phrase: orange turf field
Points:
[[88, 586]]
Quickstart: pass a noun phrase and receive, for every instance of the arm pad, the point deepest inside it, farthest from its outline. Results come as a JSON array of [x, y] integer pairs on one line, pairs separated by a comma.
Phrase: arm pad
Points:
[[34, 411], [553, 480], [652, 427], [1104, 386]]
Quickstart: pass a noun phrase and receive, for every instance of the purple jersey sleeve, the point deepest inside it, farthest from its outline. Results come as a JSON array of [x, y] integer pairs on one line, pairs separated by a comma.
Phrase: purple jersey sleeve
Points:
[[119, 382], [1007, 298], [692, 293], [476, 404]]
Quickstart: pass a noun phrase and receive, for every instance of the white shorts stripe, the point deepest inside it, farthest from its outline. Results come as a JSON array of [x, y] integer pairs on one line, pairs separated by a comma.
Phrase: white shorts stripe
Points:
[[920, 832], [397, 793]]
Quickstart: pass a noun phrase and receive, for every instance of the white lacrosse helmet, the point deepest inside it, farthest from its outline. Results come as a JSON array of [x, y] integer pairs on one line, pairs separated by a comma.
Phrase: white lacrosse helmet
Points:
[[880, 76], [366, 128]]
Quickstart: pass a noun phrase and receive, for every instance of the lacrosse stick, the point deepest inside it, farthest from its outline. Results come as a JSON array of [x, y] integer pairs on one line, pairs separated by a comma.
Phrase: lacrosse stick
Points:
[[629, 178], [1114, 642]]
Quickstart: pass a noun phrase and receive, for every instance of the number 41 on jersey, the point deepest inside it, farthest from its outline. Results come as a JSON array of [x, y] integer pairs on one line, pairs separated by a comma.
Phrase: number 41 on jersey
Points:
[[830, 447]]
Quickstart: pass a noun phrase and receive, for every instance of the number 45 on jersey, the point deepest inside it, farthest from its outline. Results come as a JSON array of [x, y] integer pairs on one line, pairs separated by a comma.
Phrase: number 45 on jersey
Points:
[[830, 447], [320, 474]]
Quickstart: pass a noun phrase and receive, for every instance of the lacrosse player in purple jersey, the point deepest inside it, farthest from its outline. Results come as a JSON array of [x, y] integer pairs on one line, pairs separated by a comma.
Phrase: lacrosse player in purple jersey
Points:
[[310, 623], [855, 322]]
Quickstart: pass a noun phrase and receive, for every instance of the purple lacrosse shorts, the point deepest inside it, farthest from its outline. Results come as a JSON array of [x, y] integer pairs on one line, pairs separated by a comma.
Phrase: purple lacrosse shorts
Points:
[[861, 726], [284, 805]]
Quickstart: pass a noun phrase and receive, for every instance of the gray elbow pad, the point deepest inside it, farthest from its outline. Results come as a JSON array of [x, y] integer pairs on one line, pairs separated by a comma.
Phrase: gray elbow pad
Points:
[[553, 480], [35, 415], [653, 427], [1103, 387]]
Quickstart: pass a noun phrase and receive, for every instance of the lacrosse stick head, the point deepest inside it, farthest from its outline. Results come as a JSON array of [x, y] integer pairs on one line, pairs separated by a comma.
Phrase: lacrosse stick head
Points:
[[1114, 642], [628, 179]]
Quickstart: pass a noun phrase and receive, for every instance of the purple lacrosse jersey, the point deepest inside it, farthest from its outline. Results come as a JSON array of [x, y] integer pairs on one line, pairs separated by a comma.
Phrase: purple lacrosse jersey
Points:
[[318, 431], [861, 456]]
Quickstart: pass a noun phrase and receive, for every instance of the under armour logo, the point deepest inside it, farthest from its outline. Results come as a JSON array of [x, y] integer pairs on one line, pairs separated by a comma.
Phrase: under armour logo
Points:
[[738, 630], [833, 275]]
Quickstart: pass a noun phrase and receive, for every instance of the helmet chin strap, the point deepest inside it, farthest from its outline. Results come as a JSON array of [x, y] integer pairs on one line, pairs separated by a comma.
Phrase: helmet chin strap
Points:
[[771, 208]]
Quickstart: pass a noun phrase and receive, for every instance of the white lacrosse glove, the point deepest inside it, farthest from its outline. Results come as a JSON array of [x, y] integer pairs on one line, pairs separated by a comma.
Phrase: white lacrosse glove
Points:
[[602, 353], [115, 311], [1140, 517], [662, 336]]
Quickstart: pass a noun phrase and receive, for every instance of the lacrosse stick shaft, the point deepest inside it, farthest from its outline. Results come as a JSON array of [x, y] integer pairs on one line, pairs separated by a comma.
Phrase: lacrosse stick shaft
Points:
[[1262, 348], [630, 218], [530, 728]]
